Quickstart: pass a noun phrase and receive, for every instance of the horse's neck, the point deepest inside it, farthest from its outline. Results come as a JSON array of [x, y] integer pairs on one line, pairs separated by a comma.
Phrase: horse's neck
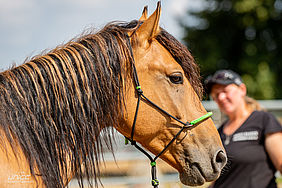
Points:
[[62, 95]]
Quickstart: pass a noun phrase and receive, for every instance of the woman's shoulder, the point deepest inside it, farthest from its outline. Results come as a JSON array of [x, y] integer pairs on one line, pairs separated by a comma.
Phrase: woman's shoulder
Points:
[[262, 114], [267, 120]]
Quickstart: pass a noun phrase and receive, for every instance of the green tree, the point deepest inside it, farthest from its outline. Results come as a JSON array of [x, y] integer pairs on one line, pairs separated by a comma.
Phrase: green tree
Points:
[[242, 35]]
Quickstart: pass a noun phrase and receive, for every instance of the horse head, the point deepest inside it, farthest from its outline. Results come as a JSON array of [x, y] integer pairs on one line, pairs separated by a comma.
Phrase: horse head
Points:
[[197, 153]]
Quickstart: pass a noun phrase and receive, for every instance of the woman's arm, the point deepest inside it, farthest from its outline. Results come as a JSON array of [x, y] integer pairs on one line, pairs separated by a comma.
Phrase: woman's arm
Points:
[[273, 144]]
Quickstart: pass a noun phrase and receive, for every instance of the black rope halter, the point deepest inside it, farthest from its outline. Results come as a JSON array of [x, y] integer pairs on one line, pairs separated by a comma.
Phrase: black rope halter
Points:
[[140, 95]]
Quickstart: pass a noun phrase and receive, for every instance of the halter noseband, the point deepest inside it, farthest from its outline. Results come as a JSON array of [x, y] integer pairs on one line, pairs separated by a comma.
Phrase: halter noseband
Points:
[[186, 125]]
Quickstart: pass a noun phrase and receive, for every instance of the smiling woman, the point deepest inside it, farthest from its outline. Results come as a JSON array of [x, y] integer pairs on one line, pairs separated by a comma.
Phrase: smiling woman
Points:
[[252, 138], [56, 109]]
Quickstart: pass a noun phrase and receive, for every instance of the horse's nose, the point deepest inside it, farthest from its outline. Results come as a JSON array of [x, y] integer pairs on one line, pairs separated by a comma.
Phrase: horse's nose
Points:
[[219, 160]]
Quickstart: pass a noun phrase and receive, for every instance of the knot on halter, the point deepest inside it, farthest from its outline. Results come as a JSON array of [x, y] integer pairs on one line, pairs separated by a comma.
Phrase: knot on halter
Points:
[[153, 163], [139, 90], [133, 142]]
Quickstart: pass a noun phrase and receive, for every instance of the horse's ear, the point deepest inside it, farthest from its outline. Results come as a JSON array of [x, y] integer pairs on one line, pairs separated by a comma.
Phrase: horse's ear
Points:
[[150, 27], [144, 14]]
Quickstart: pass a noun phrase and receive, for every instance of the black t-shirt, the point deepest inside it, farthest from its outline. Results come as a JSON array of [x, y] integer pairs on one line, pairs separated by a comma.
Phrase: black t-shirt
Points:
[[249, 165]]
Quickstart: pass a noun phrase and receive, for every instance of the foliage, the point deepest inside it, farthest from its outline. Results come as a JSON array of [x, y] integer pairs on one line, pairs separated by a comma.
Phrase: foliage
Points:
[[242, 35]]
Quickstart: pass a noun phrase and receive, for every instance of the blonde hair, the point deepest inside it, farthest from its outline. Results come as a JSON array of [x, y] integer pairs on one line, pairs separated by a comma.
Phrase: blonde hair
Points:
[[252, 104]]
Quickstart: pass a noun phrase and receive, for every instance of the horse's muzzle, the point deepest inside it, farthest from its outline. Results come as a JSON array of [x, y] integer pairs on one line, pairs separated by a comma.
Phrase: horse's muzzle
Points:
[[201, 168]]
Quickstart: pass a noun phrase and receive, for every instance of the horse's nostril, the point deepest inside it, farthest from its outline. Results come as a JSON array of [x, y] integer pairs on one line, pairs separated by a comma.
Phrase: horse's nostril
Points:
[[220, 159]]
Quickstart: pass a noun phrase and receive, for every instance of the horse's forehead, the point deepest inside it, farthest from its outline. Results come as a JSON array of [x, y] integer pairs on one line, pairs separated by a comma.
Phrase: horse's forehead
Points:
[[156, 55]]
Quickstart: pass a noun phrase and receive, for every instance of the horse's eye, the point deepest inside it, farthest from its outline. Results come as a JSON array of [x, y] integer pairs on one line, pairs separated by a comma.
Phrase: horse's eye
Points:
[[176, 78]]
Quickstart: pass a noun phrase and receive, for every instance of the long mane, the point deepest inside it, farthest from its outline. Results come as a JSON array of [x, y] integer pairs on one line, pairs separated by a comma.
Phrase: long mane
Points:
[[61, 106]]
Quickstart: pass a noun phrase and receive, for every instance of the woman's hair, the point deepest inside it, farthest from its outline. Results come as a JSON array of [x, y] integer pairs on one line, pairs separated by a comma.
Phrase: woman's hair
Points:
[[252, 104]]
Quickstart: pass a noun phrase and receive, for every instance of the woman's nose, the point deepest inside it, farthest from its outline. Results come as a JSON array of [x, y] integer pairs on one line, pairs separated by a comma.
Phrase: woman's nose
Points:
[[221, 96]]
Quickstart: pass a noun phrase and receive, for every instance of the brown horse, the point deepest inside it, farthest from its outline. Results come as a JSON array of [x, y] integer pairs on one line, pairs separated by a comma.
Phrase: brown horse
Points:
[[57, 109]]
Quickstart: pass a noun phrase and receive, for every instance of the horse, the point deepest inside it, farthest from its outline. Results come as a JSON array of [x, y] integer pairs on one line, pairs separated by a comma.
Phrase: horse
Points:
[[58, 108]]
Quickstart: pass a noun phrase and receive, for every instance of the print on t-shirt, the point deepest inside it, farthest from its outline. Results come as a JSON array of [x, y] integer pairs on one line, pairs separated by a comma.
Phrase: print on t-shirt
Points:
[[243, 136]]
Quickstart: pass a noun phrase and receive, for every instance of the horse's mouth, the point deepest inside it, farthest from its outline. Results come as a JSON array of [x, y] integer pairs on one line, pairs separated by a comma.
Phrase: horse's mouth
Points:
[[193, 176]]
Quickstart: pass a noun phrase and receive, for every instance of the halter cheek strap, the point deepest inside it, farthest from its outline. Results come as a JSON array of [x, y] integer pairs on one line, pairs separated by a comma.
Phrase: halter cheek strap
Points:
[[186, 125], [140, 95]]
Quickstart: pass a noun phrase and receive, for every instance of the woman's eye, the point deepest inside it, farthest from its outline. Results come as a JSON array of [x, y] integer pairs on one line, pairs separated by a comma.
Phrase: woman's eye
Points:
[[176, 78]]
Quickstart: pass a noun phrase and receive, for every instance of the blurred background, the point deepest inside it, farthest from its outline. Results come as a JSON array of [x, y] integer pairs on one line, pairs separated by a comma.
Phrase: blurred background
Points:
[[27, 27], [243, 35]]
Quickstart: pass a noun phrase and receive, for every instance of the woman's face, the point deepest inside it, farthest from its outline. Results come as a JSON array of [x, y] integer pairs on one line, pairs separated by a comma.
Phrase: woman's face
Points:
[[229, 98]]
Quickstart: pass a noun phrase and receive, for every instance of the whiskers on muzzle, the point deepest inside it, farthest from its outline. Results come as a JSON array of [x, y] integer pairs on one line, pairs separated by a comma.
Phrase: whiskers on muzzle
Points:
[[227, 167]]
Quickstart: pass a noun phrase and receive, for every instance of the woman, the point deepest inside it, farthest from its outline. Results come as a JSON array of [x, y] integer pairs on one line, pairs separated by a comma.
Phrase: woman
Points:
[[252, 138]]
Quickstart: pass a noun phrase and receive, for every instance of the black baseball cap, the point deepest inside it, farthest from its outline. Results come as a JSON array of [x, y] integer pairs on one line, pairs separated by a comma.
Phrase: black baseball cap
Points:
[[223, 77]]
